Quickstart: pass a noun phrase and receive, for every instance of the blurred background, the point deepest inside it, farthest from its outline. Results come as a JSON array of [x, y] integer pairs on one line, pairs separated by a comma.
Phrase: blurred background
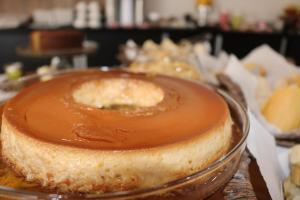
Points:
[[233, 26], [249, 47]]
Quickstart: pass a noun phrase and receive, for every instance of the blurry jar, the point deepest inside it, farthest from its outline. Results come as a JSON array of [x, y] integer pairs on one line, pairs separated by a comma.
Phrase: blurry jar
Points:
[[203, 8]]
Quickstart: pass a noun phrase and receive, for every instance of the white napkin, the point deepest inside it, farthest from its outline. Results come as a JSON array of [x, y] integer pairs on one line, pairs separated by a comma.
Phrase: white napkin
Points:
[[262, 146], [260, 142], [248, 83], [275, 64], [283, 157], [210, 65], [277, 69]]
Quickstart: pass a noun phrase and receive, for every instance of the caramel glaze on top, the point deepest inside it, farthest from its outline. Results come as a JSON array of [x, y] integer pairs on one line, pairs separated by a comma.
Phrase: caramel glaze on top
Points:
[[47, 111]]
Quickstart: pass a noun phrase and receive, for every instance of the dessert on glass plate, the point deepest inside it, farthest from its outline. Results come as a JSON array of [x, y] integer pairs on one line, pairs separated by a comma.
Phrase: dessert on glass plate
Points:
[[92, 133]]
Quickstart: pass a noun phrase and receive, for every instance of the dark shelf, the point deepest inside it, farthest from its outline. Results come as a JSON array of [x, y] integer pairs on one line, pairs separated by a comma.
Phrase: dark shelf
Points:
[[109, 39]]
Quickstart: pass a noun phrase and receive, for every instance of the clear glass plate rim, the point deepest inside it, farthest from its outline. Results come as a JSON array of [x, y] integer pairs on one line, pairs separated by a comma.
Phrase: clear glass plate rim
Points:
[[245, 131]]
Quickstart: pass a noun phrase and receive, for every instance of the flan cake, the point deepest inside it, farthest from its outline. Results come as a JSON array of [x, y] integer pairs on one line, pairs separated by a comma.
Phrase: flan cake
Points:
[[93, 131], [55, 40]]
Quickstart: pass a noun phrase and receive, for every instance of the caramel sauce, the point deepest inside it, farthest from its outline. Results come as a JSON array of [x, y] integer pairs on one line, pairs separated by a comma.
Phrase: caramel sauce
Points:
[[46, 111]]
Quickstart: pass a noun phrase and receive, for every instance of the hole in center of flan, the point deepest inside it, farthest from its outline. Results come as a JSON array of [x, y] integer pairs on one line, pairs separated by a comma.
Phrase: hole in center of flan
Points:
[[114, 93]]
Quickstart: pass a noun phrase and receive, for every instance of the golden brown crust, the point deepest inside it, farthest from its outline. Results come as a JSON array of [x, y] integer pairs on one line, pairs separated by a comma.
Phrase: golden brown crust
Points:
[[65, 168]]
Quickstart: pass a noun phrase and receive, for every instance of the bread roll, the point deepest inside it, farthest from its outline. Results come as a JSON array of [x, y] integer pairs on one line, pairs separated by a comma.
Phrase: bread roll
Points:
[[283, 108]]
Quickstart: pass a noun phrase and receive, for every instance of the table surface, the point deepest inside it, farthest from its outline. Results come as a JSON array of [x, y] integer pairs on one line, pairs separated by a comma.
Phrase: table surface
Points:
[[257, 181]]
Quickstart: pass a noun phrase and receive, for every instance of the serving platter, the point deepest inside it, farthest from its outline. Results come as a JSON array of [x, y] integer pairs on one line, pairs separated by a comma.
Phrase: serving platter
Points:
[[201, 184]]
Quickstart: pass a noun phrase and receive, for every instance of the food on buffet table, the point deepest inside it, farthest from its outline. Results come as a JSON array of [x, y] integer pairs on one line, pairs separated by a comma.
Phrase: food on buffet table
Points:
[[167, 48], [263, 91], [282, 107], [166, 58], [294, 158], [80, 143], [13, 71], [167, 67], [56, 40], [150, 45], [293, 80], [292, 183], [168, 45], [256, 69], [291, 191], [45, 72]]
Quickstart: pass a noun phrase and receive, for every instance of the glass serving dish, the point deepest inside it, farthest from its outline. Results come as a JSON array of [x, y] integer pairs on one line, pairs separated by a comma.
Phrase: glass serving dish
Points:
[[196, 186]]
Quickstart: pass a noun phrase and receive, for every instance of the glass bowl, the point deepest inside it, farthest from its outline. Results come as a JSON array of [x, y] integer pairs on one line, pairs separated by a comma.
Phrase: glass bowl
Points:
[[196, 186]]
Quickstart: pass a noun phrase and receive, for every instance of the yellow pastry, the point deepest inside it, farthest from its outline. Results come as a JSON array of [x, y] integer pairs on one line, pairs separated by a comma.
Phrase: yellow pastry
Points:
[[167, 67], [295, 79], [283, 108]]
